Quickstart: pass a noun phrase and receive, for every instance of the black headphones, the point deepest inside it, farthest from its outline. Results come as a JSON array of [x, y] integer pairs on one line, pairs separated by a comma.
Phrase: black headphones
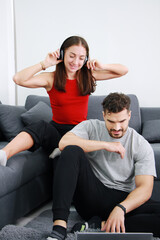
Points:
[[61, 57]]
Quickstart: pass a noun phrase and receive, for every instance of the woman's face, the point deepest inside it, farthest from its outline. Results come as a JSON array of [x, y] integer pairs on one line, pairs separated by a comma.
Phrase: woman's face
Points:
[[74, 58]]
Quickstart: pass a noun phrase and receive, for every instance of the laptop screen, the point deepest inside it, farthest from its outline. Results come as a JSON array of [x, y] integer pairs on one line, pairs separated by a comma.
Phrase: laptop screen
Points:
[[113, 236]]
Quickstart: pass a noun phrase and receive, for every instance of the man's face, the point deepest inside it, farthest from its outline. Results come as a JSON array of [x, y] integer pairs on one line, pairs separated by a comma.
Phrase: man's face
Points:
[[117, 123]]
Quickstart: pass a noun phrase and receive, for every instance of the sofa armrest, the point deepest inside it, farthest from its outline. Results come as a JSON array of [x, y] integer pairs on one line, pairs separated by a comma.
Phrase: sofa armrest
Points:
[[10, 120]]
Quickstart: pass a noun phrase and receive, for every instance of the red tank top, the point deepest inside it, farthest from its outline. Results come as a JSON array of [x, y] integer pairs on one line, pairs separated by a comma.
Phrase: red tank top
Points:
[[68, 107]]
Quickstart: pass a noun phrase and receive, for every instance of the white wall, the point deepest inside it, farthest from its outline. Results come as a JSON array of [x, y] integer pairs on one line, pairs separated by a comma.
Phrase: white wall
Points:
[[117, 31], [7, 59]]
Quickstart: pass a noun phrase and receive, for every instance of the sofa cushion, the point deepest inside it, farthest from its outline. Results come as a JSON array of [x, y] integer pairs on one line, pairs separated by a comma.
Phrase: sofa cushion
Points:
[[22, 168], [32, 100], [1, 136], [156, 149], [95, 108], [10, 120], [135, 121], [41, 111], [151, 130]]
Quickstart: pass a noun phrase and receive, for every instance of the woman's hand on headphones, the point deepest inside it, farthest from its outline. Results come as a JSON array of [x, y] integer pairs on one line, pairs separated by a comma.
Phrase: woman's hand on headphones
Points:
[[52, 59], [94, 65]]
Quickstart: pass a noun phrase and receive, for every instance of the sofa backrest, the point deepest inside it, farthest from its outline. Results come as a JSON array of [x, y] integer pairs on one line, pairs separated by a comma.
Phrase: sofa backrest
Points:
[[135, 121], [95, 108], [32, 100]]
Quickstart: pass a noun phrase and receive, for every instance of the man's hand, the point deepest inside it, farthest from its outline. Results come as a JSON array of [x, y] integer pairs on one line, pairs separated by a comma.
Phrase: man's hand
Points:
[[115, 221], [115, 147]]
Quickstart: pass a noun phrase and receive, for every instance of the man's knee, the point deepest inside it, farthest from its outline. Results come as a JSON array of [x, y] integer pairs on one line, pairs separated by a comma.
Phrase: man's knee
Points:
[[73, 149], [73, 157], [72, 153]]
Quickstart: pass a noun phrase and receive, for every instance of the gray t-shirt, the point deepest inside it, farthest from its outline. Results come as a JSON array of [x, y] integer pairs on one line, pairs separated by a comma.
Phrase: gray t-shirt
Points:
[[109, 167]]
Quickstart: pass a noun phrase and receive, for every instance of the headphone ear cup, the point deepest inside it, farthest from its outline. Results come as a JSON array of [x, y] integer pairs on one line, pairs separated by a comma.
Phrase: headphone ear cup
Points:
[[61, 56], [86, 59]]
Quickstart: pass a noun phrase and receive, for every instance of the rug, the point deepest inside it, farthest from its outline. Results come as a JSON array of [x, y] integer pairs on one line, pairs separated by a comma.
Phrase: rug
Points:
[[39, 228]]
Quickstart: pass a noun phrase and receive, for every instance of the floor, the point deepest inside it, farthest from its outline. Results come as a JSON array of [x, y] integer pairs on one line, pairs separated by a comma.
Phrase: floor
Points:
[[24, 220]]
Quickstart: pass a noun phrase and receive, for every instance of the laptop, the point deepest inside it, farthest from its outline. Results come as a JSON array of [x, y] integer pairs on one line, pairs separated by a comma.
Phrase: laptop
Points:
[[113, 236]]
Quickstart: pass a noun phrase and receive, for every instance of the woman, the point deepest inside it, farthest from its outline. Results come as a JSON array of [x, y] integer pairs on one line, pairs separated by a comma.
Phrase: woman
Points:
[[68, 87]]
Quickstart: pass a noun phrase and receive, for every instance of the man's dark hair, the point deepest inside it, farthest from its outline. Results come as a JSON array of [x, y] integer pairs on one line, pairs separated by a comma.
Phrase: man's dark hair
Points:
[[116, 102]]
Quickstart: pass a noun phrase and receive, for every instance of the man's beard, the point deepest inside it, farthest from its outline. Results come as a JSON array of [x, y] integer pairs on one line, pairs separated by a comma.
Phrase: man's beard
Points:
[[116, 134]]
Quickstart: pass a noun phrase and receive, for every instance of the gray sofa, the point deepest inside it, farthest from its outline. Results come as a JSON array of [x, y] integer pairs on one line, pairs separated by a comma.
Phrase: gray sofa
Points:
[[26, 182]]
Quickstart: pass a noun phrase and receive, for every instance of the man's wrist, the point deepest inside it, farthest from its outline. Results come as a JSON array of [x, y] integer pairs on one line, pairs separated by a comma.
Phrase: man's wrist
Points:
[[122, 207]]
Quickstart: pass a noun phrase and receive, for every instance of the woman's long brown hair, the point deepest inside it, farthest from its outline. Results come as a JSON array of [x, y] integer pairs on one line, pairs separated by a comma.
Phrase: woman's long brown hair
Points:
[[86, 81]]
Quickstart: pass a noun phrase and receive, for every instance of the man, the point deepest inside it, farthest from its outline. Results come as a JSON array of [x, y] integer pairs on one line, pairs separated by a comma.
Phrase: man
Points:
[[107, 169]]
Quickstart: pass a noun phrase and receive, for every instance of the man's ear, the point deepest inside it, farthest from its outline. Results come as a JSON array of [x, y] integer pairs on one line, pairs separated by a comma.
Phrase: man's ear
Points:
[[129, 115], [103, 115]]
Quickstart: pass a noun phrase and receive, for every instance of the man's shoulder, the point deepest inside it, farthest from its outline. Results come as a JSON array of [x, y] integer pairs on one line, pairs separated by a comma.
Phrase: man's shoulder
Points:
[[96, 123], [134, 132], [136, 136], [91, 123]]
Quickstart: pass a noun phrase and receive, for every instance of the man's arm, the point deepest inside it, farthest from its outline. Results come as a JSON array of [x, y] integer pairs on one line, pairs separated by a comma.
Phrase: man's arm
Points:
[[142, 192], [90, 145]]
